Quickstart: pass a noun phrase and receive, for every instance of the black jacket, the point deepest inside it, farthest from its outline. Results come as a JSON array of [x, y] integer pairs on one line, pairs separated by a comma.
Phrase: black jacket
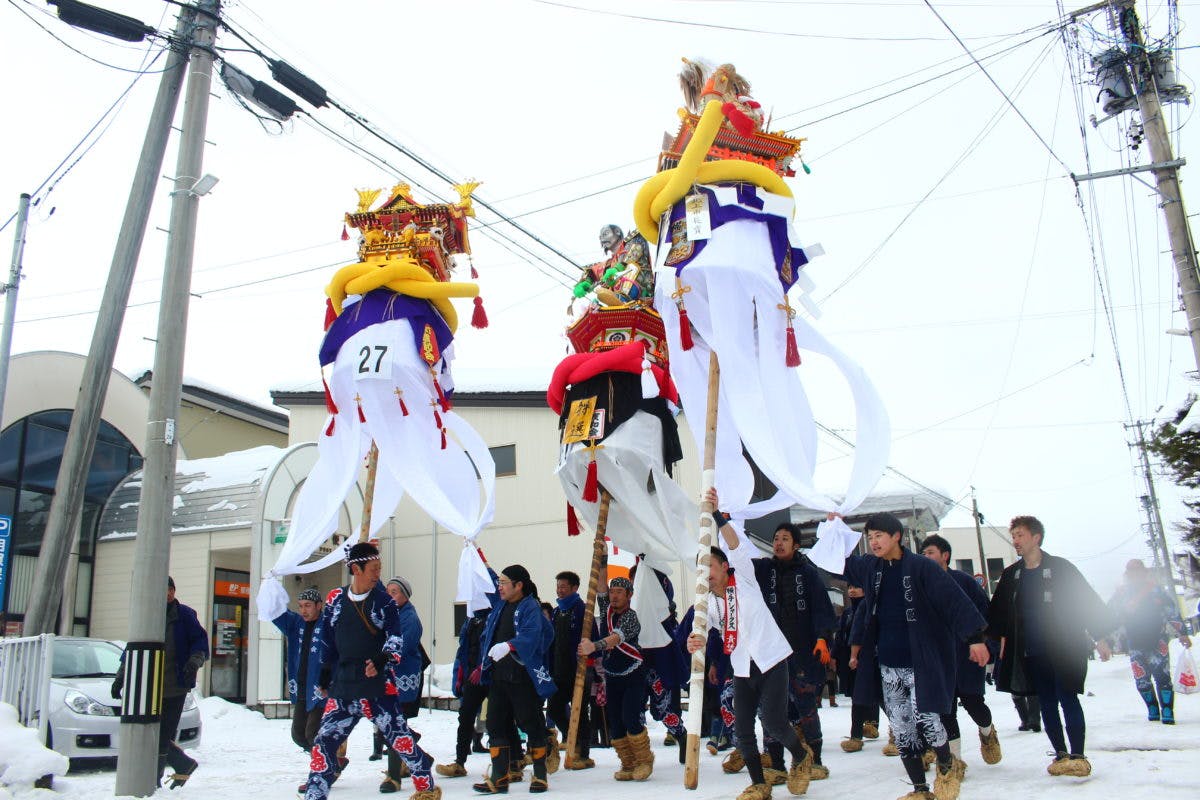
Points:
[[1071, 615]]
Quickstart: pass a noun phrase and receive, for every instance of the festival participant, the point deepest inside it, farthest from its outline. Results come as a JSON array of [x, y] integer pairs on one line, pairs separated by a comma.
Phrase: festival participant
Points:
[[624, 678], [969, 685], [864, 718], [514, 643], [758, 651], [1048, 615], [717, 672], [1030, 711], [913, 618], [303, 671], [666, 672], [799, 602], [1150, 618], [568, 630], [185, 649], [467, 688], [371, 665], [400, 590]]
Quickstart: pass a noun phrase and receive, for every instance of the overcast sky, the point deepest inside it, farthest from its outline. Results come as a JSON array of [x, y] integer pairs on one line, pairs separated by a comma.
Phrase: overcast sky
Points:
[[976, 311]]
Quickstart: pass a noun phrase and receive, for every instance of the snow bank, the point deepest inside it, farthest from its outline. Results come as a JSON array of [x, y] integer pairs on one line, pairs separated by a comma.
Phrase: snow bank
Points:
[[23, 759]]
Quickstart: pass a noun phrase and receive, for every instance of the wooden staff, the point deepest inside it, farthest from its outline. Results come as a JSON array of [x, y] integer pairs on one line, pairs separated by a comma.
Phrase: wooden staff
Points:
[[599, 549], [369, 494], [691, 769]]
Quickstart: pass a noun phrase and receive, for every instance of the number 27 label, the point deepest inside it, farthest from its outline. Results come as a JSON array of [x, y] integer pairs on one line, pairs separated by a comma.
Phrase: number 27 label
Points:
[[373, 363]]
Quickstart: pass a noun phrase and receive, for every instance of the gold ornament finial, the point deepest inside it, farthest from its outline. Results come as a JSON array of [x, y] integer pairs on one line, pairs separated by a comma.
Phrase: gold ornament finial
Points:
[[367, 198], [465, 190]]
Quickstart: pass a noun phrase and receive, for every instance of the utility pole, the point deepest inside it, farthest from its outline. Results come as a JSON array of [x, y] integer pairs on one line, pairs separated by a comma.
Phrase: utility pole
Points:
[[983, 565], [1152, 508], [67, 506], [1166, 175], [137, 764], [10, 295]]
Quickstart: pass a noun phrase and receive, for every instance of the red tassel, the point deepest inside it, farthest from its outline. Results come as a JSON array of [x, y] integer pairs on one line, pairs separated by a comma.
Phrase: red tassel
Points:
[[403, 408], [474, 273], [329, 404], [361, 416], [793, 353], [572, 521], [345, 234], [329, 427], [443, 401], [437, 418], [591, 486], [685, 330], [479, 316], [443, 438]]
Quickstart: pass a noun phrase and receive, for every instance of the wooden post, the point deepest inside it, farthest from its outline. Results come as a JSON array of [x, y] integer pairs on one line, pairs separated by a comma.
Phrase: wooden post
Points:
[[691, 769], [369, 493], [599, 548]]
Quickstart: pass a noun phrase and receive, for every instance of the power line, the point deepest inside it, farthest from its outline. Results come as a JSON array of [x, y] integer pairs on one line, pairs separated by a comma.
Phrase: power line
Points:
[[70, 46], [992, 80]]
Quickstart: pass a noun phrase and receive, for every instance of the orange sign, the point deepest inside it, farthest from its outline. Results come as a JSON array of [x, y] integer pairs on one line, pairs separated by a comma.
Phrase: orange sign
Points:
[[240, 591]]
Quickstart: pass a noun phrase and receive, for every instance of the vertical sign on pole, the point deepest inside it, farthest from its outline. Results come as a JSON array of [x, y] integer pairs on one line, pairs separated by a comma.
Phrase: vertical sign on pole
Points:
[[5, 546]]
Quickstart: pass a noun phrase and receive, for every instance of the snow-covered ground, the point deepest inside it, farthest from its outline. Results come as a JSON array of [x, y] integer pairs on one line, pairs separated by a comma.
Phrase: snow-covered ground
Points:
[[244, 755]]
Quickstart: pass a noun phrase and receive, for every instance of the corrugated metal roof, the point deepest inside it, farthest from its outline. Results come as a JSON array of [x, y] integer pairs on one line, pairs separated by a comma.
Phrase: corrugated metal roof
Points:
[[210, 494]]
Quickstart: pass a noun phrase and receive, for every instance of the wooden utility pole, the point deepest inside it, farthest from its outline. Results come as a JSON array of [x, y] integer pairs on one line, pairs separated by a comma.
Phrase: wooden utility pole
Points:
[[1166, 174], [1153, 513], [983, 565], [137, 764], [10, 294]]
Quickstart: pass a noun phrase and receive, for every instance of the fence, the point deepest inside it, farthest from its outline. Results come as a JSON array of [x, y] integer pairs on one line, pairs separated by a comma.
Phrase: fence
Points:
[[25, 668]]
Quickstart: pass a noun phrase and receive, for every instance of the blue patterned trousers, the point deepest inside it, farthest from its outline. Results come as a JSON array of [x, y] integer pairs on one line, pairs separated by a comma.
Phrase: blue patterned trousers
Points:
[[339, 720]]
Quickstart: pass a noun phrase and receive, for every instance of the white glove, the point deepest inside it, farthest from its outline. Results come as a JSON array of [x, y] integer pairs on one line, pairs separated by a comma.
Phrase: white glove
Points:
[[499, 651]]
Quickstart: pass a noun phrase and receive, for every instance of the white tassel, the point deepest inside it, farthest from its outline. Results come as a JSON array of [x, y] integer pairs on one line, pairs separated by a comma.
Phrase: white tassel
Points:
[[649, 383]]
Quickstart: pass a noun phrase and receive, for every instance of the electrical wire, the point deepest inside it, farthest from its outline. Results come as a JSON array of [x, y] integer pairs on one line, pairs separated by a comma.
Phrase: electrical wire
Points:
[[70, 46]]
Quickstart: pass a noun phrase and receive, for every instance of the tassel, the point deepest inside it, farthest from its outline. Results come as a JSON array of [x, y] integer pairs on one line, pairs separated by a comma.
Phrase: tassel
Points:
[[474, 272], [572, 521], [649, 382], [330, 406], [591, 486], [361, 416], [443, 438], [479, 316], [437, 420], [442, 400], [345, 233], [329, 427], [792, 359], [400, 397], [685, 330]]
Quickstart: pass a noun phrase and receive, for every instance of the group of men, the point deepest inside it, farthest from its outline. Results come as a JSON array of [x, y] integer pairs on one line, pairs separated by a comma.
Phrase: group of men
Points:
[[915, 637]]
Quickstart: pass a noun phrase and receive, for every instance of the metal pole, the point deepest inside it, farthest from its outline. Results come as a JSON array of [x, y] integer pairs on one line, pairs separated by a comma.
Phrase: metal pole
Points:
[[66, 507], [433, 613], [138, 756], [1158, 138], [10, 295], [983, 565]]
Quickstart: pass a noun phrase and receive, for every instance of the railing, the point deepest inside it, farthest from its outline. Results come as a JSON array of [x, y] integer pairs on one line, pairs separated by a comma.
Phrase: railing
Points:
[[25, 668]]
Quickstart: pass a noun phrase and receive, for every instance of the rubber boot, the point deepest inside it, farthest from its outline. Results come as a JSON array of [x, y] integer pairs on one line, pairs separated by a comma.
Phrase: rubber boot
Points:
[[496, 781], [1151, 705], [1166, 697]]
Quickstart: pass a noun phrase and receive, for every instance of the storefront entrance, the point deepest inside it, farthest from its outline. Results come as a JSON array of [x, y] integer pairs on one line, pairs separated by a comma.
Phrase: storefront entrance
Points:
[[231, 604]]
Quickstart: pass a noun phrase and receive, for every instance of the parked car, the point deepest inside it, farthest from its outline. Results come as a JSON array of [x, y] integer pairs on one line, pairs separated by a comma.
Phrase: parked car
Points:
[[85, 718]]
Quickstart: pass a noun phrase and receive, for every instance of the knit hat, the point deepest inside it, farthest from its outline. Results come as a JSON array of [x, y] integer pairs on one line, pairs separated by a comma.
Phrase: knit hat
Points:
[[310, 594], [404, 585], [621, 583]]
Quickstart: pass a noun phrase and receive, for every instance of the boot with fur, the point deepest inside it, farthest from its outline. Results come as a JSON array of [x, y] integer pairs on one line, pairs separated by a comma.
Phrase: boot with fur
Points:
[[890, 748], [553, 759], [800, 773], [625, 754], [852, 745], [946, 784], [989, 747], [642, 754], [870, 730], [756, 791], [733, 762]]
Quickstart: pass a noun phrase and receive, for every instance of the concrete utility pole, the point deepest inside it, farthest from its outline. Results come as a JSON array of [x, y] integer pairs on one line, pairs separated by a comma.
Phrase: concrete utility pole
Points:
[[67, 506], [983, 565], [137, 765], [10, 295], [1152, 508], [1166, 176]]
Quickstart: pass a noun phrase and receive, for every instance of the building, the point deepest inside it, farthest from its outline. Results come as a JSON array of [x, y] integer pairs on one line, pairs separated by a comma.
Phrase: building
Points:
[[998, 552]]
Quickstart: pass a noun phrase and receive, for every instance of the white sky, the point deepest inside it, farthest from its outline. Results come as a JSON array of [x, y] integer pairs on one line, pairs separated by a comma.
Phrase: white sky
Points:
[[978, 318]]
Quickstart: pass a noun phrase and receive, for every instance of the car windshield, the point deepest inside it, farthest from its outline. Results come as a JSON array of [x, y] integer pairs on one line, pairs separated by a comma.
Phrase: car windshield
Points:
[[88, 658]]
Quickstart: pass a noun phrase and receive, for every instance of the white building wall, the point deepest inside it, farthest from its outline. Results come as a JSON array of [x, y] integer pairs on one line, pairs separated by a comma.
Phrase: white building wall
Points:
[[965, 546]]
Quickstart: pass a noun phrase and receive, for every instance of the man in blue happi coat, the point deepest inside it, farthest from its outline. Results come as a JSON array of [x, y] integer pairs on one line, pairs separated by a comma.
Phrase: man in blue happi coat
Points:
[[303, 667], [913, 617]]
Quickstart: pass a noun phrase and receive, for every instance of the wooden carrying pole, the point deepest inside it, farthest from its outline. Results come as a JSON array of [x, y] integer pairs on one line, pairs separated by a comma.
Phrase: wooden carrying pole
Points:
[[369, 493], [691, 769], [599, 548]]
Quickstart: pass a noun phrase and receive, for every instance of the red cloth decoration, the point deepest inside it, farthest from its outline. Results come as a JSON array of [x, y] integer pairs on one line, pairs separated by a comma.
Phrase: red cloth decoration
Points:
[[345, 233], [479, 316], [738, 119], [792, 357], [443, 401], [591, 486], [329, 404], [685, 330], [572, 521], [443, 438], [329, 427], [474, 273], [403, 408], [437, 418], [581, 366], [361, 417], [330, 314]]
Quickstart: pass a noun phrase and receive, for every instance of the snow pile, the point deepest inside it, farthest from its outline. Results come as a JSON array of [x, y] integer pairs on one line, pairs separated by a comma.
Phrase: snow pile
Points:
[[1191, 422], [23, 759], [232, 469]]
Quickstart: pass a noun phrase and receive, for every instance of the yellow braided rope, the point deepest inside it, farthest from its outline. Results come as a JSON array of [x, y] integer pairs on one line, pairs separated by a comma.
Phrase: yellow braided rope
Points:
[[670, 186], [403, 276]]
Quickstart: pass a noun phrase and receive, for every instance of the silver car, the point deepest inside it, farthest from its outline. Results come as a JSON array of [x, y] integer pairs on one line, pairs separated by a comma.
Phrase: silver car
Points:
[[84, 716]]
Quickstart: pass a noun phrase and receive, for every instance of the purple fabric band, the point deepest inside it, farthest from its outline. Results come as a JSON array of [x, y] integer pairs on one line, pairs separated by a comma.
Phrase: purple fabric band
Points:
[[382, 305]]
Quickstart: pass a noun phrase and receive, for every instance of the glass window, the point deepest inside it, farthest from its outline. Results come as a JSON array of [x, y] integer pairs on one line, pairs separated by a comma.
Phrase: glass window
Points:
[[75, 659], [10, 452], [42, 456], [966, 565], [505, 457]]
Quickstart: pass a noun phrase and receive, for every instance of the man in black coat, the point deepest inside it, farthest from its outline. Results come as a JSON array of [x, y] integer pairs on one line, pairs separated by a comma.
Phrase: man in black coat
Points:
[[1047, 616], [911, 622], [969, 683]]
